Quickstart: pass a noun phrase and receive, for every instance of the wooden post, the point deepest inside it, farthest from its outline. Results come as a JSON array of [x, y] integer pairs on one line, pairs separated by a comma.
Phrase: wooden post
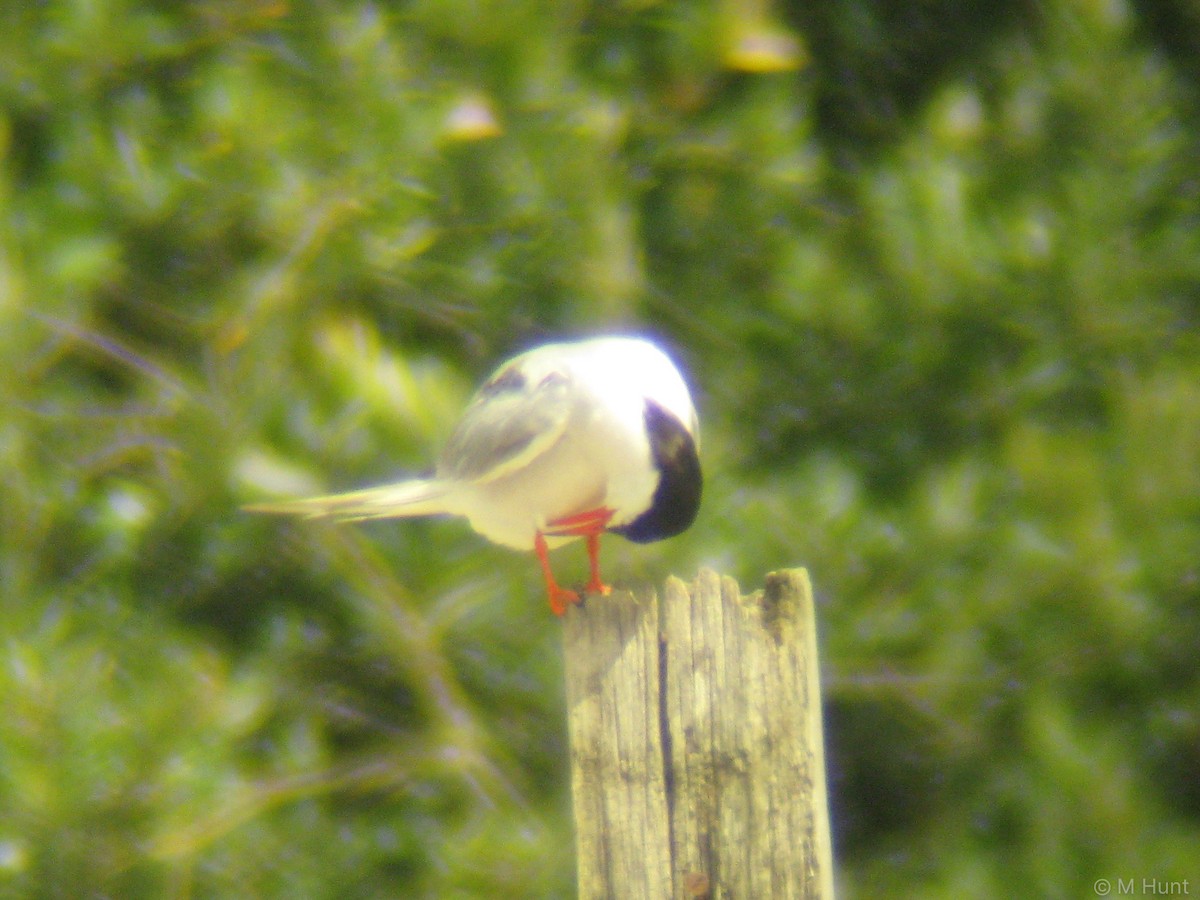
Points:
[[697, 763]]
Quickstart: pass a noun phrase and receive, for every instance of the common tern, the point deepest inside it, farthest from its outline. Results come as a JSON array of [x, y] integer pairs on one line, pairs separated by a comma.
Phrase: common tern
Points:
[[564, 441]]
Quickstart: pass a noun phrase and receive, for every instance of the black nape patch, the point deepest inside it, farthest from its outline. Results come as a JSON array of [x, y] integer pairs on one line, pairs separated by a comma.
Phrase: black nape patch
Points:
[[677, 498]]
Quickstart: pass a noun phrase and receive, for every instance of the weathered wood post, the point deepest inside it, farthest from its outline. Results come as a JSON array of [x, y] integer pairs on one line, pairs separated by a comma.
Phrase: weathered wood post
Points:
[[697, 760]]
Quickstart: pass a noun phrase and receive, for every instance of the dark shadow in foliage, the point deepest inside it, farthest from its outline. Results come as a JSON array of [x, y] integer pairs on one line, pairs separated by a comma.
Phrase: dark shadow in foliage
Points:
[[28, 148], [1175, 763], [1174, 26], [876, 63], [1167, 725], [893, 408], [879, 788]]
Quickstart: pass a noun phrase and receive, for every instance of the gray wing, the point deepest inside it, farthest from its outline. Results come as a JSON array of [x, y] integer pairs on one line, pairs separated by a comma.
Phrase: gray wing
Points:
[[509, 423]]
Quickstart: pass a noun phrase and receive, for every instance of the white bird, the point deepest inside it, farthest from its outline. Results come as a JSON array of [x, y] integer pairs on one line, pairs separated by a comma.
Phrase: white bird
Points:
[[565, 441]]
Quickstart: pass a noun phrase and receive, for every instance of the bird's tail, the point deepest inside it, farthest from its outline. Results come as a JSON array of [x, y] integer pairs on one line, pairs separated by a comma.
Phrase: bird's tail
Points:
[[419, 497]]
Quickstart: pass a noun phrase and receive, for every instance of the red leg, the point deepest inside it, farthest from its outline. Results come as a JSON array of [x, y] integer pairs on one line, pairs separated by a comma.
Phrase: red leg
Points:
[[559, 597], [595, 585], [588, 524]]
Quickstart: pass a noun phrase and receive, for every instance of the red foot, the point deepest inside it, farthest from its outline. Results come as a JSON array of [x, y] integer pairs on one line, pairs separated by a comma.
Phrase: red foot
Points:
[[595, 585], [560, 598]]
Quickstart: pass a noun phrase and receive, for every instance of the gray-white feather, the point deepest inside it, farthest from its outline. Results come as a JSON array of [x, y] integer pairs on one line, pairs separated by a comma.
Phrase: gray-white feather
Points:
[[418, 497], [510, 422]]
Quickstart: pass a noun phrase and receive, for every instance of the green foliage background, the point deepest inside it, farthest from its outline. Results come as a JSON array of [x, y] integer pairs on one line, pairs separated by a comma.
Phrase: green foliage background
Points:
[[934, 268]]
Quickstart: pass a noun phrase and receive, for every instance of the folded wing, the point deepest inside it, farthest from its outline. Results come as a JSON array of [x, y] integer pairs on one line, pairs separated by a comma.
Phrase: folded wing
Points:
[[509, 423]]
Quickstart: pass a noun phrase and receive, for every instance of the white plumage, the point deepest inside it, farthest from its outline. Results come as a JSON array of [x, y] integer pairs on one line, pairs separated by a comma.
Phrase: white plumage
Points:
[[564, 441]]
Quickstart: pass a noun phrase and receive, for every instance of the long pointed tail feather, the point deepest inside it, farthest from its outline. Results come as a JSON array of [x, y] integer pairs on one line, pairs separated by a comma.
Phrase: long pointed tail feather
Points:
[[389, 501]]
